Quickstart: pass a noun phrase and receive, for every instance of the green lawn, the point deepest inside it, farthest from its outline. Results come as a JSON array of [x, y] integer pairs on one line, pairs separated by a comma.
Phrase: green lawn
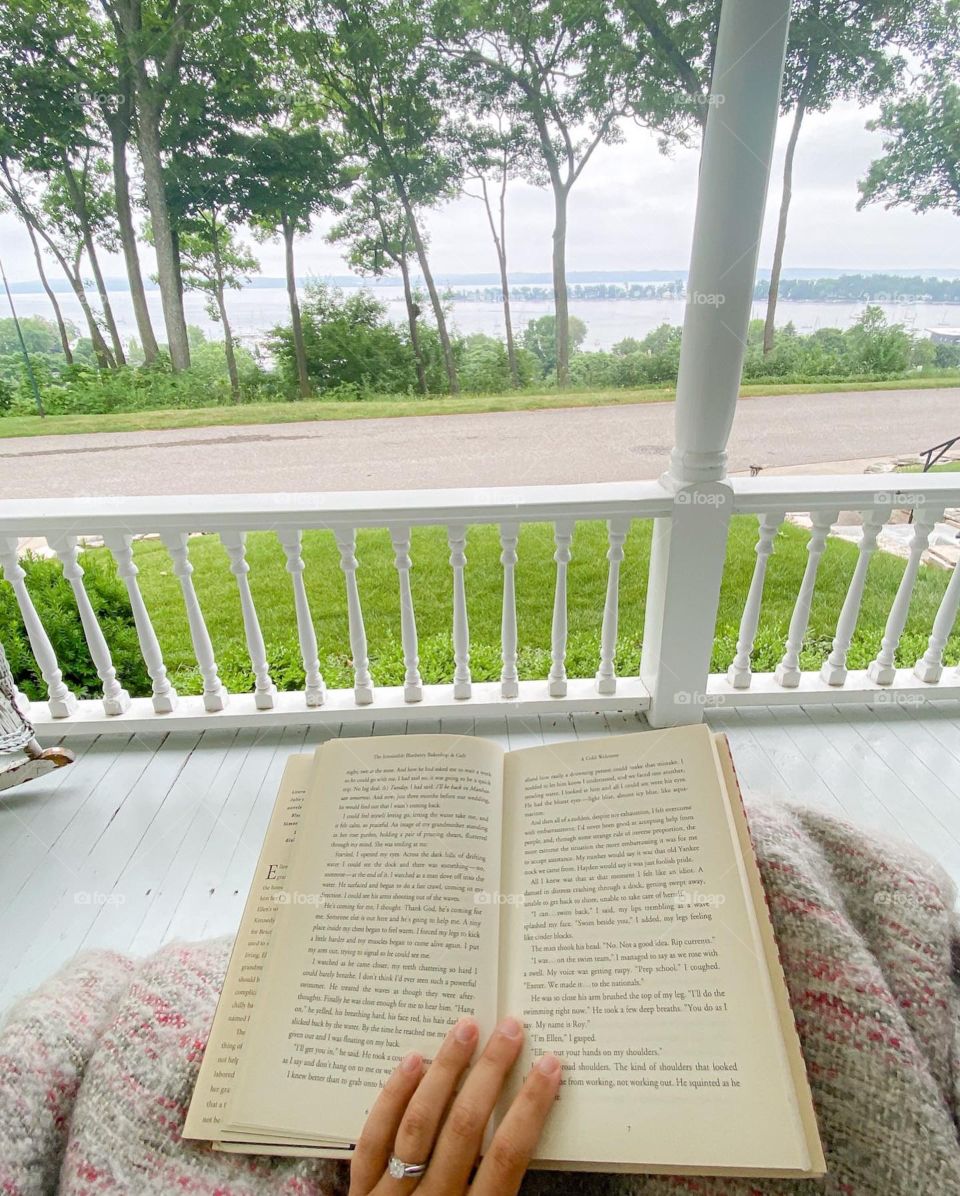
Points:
[[431, 581], [940, 467], [271, 413]]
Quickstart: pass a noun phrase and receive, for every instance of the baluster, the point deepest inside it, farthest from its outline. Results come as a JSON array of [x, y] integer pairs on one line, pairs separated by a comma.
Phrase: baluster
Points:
[[457, 540], [883, 670], [788, 670], [362, 681], [557, 680], [61, 701], [115, 698], [606, 679], [215, 696], [740, 673], [412, 681], [264, 691], [315, 691], [930, 665], [834, 670], [164, 695], [509, 680]]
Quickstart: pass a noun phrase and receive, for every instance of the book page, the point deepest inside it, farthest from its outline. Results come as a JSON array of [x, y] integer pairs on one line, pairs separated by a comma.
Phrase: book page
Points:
[[389, 935], [242, 980], [631, 949]]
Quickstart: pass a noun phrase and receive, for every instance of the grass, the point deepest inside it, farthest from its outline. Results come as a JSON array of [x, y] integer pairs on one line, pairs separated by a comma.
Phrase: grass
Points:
[[309, 410], [432, 592], [941, 467]]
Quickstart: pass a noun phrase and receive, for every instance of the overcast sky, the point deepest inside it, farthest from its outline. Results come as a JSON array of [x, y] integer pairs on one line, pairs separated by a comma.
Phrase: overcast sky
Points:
[[633, 209]]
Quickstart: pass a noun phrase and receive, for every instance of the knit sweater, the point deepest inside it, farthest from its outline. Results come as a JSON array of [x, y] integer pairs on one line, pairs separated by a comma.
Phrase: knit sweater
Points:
[[97, 1067]]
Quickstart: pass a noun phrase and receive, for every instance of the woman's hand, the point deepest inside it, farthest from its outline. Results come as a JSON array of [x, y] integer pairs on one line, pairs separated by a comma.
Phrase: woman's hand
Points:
[[414, 1119]]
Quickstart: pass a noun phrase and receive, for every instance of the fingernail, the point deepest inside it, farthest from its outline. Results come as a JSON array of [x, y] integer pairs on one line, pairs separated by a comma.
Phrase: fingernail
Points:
[[548, 1065], [411, 1062], [465, 1030], [510, 1028]]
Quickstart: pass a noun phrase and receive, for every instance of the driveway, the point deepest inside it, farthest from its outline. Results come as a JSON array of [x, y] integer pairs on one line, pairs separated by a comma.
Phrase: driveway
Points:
[[585, 444]]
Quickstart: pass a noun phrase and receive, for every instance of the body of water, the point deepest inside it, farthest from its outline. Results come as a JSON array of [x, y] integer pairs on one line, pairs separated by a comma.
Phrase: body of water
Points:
[[254, 311]]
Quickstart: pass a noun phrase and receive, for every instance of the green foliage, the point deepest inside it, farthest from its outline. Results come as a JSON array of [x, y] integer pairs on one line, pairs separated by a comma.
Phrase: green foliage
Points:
[[39, 335], [57, 609], [84, 389], [485, 368], [921, 140], [351, 347], [540, 339]]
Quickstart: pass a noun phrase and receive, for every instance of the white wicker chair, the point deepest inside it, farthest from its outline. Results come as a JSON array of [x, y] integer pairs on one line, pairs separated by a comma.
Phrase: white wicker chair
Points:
[[16, 735]]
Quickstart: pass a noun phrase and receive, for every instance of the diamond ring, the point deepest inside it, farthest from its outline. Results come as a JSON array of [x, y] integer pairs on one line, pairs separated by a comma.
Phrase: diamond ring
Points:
[[401, 1170]]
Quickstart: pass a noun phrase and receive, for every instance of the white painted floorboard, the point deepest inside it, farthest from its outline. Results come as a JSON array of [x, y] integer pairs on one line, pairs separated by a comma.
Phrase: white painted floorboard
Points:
[[148, 838]]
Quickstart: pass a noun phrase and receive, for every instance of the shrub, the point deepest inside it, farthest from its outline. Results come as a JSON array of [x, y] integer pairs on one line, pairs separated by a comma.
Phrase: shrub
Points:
[[348, 341], [57, 608]]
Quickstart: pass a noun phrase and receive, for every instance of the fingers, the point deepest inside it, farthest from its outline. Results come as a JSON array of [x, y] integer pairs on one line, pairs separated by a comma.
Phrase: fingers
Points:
[[462, 1134], [427, 1106], [513, 1145], [375, 1144]]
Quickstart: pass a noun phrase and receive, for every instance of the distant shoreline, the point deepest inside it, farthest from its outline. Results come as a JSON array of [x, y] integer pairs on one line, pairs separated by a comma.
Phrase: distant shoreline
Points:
[[488, 281]]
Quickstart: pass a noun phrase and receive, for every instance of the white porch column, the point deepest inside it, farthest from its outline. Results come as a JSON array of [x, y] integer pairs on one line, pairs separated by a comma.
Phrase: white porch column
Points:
[[686, 563]]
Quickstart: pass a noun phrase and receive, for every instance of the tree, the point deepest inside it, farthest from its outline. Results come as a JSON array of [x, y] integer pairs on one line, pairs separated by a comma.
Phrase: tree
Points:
[[16, 189], [378, 232], [62, 329], [920, 164], [368, 58], [153, 38], [494, 153], [288, 175], [213, 261], [540, 337], [78, 200], [44, 140], [115, 96], [838, 50], [572, 71]]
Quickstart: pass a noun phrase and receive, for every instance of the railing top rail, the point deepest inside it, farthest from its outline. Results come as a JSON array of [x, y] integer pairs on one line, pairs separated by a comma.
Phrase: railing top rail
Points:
[[373, 508], [809, 492]]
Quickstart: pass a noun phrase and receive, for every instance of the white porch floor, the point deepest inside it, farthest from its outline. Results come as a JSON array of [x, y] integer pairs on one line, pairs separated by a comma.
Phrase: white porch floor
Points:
[[148, 838]]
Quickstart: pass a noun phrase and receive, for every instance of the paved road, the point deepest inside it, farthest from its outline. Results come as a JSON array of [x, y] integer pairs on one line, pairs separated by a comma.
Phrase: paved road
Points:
[[584, 444]]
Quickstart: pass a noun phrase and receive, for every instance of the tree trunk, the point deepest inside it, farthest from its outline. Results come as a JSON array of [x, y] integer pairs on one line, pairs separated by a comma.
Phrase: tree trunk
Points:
[[296, 323], [119, 125], [500, 244], [58, 314], [228, 346], [561, 309], [171, 296], [101, 352], [769, 326], [222, 308], [12, 193], [79, 200], [438, 312], [412, 313]]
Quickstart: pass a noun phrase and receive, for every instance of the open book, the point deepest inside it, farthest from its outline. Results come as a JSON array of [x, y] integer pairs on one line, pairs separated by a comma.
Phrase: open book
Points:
[[604, 891]]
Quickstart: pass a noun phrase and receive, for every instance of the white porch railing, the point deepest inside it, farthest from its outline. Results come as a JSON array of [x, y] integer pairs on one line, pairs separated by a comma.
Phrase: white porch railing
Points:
[[674, 684]]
